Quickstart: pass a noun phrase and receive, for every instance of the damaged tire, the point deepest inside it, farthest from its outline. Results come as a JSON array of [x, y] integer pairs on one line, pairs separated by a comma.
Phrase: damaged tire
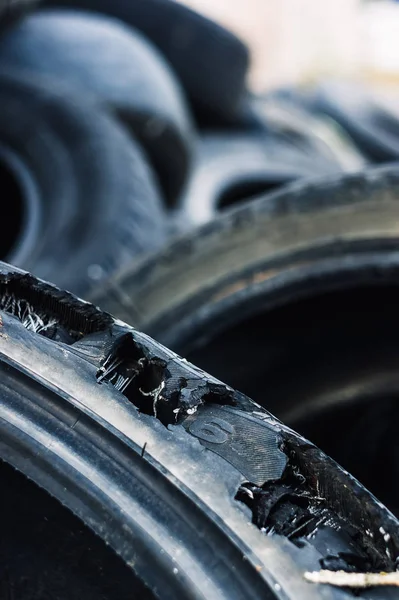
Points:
[[86, 420], [69, 46], [292, 299], [82, 199]]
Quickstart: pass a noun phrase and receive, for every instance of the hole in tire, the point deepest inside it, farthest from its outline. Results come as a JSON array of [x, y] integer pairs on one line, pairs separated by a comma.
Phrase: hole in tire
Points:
[[328, 366], [242, 191], [47, 552]]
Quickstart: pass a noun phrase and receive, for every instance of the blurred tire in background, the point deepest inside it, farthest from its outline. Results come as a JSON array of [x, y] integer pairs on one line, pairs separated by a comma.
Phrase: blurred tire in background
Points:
[[80, 198], [232, 168], [209, 60], [101, 56]]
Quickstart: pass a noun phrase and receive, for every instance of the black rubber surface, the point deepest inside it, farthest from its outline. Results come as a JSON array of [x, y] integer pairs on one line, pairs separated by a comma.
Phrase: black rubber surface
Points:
[[210, 62], [186, 479], [93, 201], [121, 69], [47, 553]]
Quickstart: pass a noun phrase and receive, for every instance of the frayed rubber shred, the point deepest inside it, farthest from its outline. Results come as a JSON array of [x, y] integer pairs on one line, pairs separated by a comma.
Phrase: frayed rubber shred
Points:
[[353, 580], [26, 314], [109, 372]]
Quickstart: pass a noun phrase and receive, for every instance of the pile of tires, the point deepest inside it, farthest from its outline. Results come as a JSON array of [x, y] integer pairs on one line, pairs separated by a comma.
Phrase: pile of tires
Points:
[[198, 317]]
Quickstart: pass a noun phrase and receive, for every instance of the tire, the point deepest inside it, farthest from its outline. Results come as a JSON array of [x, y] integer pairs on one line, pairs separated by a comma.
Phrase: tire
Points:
[[210, 62], [232, 168], [292, 299], [69, 45], [304, 215], [88, 201], [148, 450], [373, 126], [47, 552]]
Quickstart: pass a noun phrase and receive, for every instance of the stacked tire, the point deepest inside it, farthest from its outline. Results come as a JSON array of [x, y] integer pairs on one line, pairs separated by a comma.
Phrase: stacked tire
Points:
[[254, 235]]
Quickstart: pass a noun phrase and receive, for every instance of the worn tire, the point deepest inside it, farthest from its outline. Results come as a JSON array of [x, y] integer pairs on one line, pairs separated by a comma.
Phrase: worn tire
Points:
[[210, 62], [86, 420], [89, 202], [70, 46]]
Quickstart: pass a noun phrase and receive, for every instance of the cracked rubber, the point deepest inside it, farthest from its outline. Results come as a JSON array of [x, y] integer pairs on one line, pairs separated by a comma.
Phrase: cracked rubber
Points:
[[93, 198], [202, 493], [68, 46]]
